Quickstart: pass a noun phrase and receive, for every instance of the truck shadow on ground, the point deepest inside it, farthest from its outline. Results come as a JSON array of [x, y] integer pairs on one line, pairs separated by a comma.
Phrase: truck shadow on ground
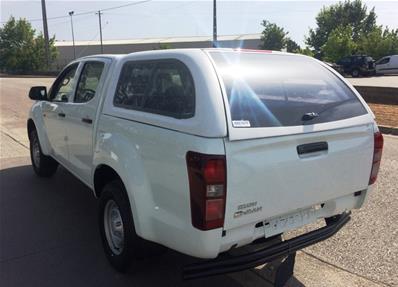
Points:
[[49, 237]]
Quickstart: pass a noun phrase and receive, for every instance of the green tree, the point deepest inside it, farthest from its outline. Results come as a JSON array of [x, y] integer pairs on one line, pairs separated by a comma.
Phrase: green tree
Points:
[[379, 43], [165, 46], [306, 51], [348, 13], [21, 50], [273, 37], [292, 46], [339, 44]]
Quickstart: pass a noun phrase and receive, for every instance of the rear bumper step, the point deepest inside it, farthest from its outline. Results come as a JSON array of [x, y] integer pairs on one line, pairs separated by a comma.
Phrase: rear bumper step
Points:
[[224, 264]]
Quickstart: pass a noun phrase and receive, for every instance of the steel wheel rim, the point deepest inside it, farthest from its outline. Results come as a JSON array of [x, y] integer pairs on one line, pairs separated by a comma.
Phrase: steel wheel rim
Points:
[[113, 225], [36, 152]]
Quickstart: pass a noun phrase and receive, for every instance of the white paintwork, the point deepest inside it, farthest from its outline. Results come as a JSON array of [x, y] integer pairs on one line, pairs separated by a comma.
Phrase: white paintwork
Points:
[[151, 161], [148, 152], [36, 114], [81, 135], [56, 129], [270, 172], [388, 68]]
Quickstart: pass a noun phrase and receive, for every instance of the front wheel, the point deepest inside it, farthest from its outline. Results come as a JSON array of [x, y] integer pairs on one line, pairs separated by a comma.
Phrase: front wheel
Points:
[[44, 166], [355, 73]]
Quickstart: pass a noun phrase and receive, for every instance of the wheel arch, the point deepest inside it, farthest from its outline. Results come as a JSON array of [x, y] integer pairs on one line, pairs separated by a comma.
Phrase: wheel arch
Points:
[[35, 122], [118, 151], [104, 174], [44, 144], [30, 125]]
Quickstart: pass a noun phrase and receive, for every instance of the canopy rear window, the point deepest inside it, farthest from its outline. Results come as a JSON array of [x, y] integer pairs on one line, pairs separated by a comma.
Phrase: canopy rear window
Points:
[[271, 90]]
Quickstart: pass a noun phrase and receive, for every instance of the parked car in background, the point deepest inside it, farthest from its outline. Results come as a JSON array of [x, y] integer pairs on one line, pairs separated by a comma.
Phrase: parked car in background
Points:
[[358, 65], [387, 65], [336, 67], [207, 151]]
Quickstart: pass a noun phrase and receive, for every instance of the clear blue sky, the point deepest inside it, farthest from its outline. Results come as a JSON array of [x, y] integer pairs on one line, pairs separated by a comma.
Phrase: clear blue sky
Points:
[[180, 18]]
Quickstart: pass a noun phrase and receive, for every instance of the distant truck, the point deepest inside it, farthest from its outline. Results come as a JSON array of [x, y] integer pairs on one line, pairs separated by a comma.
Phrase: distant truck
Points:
[[357, 65], [387, 65], [206, 151]]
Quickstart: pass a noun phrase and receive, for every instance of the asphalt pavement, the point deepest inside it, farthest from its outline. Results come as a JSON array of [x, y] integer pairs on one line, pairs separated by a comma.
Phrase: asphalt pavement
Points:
[[368, 244], [49, 237]]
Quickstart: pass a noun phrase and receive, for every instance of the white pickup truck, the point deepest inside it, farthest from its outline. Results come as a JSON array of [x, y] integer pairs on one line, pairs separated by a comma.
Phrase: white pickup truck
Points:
[[207, 150]]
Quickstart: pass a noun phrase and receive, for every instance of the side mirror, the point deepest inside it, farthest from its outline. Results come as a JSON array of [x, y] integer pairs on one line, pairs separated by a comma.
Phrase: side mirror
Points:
[[38, 93], [64, 98]]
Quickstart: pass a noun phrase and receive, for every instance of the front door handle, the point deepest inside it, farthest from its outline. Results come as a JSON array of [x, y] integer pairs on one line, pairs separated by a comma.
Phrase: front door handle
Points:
[[87, 120], [62, 115]]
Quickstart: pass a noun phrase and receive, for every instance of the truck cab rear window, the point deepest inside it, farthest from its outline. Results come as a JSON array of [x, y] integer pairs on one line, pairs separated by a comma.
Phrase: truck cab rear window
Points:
[[160, 86], [270, 90]]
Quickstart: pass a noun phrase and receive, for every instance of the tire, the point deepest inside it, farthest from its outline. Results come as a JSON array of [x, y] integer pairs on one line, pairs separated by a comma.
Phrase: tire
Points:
[[43, 166], [121, 251], [355, 73]]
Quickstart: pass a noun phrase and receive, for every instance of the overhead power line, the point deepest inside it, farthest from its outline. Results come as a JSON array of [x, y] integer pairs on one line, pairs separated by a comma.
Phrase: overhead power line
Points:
[[125, 5], [87, 12]]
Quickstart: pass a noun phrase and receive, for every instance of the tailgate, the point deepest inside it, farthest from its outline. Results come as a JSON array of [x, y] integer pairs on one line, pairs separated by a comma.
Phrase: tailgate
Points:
[[267, 177]]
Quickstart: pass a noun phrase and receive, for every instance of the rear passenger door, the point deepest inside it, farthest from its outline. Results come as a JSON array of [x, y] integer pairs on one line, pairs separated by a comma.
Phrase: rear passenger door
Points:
[[81, 116]]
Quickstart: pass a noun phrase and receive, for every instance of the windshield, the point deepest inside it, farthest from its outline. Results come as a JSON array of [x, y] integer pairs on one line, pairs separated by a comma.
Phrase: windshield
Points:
[[271, 90]]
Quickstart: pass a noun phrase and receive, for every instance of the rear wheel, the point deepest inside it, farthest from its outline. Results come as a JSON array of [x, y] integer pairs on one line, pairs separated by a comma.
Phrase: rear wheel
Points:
[[44, 166], [121, 243]]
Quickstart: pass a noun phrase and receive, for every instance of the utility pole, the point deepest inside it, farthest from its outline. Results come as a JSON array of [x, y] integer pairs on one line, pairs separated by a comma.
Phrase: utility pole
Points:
[[45, 31], [73, 34], [214, 23], [100, 27]]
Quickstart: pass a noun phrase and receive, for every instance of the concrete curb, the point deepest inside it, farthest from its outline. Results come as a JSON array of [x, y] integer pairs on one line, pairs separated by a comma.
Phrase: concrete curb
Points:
[[389, 130]]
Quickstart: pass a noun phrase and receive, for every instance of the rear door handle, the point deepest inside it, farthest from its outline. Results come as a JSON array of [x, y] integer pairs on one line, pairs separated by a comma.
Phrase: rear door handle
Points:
[[62, 115], [87, 120], [312, 147]]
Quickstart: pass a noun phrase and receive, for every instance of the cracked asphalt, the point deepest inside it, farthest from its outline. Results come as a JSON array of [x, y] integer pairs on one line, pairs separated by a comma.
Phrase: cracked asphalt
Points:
[[368, 245], [49, 237]]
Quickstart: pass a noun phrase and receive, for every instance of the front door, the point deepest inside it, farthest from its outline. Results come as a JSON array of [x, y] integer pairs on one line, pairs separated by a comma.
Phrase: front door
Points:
[[54, 112], [81, 117]]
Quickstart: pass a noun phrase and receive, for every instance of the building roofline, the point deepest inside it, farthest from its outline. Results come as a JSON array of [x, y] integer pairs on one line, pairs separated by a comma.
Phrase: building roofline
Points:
[[189, 50], [161, 40]]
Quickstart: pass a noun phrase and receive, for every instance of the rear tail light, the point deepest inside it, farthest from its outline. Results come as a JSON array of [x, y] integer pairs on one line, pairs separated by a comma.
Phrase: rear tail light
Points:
[[207, 186], [377, 151]]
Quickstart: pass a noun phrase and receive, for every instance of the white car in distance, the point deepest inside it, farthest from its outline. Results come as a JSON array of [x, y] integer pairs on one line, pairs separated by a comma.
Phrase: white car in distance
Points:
[[387, 65]]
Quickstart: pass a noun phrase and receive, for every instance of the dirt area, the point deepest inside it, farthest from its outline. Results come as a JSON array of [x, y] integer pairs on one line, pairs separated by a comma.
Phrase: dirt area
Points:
[[386, 115]]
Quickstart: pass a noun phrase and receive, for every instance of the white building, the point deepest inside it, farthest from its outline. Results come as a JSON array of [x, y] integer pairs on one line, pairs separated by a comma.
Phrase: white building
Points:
[[85, 48]]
